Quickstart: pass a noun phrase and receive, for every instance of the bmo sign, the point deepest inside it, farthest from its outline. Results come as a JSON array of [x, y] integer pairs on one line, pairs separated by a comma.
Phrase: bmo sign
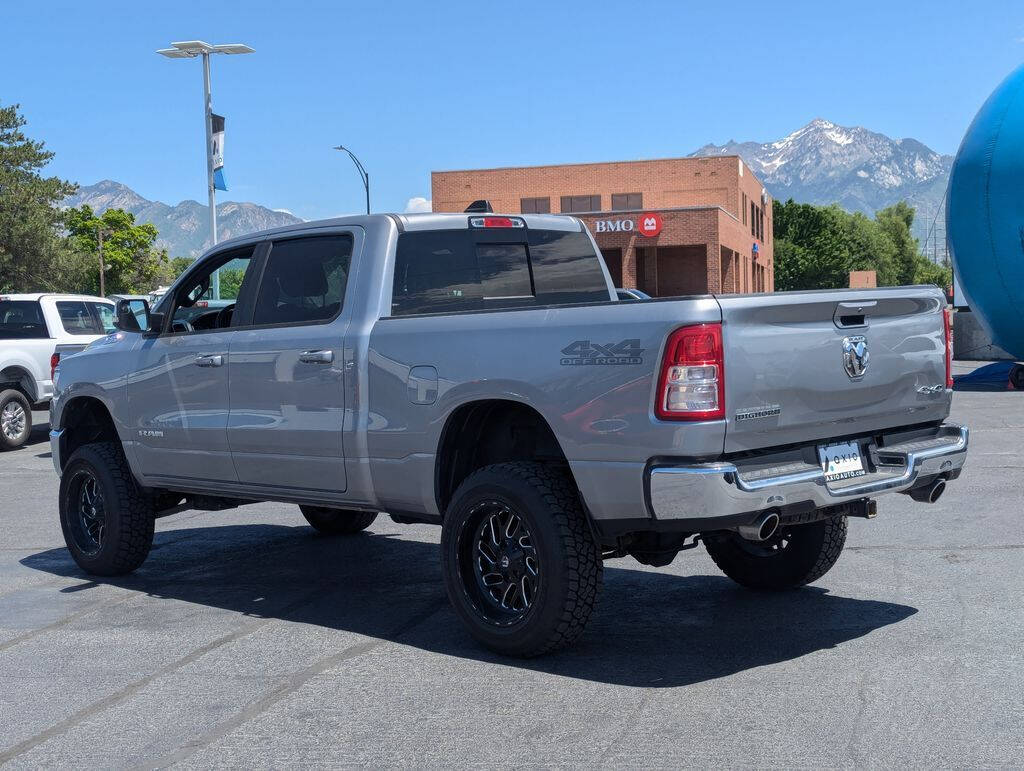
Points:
[[648, 225]]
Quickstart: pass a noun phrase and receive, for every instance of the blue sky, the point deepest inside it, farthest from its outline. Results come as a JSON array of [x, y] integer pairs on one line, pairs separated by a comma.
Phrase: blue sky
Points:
[[412, 87]]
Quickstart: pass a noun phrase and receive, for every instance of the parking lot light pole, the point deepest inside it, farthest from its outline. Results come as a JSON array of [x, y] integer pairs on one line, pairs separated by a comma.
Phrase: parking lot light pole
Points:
[[362, 173], [190, 49]]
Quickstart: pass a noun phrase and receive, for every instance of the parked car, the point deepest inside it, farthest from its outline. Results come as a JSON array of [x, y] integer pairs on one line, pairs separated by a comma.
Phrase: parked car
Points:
[[478, 372], [31, 328]]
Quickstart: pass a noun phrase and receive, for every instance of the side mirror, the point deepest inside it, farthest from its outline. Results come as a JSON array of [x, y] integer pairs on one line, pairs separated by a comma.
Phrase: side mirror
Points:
[[132, 316]]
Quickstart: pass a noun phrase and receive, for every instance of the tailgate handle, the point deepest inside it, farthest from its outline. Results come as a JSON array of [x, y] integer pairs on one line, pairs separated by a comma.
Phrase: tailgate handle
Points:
[[853, 314]]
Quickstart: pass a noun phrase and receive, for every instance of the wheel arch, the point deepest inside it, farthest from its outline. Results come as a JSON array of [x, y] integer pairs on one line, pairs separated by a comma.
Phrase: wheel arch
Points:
[[85, 419], [22, 379], [482, 432]]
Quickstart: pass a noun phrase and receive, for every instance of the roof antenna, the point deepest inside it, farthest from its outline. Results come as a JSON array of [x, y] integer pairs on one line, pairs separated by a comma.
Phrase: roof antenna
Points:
[[483, 206]]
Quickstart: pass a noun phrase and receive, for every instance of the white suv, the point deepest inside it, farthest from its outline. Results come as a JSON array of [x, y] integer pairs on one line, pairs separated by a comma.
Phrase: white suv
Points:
[[31, 327]]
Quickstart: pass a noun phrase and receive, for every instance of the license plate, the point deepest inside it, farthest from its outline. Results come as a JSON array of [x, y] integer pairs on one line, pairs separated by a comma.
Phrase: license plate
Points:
[[841, 461]]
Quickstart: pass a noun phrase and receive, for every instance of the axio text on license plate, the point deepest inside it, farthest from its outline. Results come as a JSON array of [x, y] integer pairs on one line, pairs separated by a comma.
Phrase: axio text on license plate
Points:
[[841, 461]]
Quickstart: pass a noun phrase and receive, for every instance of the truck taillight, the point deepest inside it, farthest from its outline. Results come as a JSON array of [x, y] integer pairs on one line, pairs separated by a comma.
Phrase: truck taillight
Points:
[[54, 361], [692, 383], [947, 323]]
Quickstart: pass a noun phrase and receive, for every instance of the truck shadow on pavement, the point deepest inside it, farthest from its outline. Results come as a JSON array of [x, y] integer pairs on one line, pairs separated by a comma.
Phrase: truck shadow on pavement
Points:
[[649, 629]]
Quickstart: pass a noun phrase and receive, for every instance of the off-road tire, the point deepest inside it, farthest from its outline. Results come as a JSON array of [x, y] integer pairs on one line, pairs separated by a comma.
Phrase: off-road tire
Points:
[[128, 512], [570, 569], [15, 398], [810, 553], [337, 521]]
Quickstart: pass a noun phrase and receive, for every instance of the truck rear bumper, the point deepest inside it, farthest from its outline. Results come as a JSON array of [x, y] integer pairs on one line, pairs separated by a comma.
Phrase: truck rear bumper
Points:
[[711, 491]]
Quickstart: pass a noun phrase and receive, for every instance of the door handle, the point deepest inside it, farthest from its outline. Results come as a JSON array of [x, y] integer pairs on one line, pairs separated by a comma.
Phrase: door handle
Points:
[[209, 360], [316, 357]]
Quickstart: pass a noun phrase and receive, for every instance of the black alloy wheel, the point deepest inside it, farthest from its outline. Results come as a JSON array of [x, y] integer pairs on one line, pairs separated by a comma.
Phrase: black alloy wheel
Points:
[[520, 563], [87, 517], [497, 549]]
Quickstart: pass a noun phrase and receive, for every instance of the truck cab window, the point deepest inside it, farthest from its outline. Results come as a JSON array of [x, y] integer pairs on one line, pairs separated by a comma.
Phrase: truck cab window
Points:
[[80, 318], [195, 307], [304, 281], [445, 271], [104, 316]]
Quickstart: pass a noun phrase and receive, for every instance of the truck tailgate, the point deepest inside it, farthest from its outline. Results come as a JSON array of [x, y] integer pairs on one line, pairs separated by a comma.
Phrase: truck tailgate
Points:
[[793, 364]]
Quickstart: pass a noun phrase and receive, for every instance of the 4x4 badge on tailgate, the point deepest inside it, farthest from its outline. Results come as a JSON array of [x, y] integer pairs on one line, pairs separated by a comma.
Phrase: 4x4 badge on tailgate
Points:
[[855, 356], [586, 352]]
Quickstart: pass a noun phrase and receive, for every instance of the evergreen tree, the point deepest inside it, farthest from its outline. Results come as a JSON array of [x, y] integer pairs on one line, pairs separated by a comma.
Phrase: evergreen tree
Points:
[[33, 255]]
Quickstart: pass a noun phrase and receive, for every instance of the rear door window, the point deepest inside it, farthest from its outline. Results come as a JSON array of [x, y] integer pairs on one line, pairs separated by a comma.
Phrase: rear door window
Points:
[[20, 319], [304, 281]]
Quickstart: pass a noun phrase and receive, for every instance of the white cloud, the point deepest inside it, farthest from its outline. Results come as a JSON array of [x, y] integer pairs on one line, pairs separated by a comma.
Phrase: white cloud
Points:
[[418, 204]]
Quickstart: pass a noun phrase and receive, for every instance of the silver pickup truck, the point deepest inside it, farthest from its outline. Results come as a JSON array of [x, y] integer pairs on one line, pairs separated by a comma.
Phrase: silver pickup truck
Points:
[[478, 372]]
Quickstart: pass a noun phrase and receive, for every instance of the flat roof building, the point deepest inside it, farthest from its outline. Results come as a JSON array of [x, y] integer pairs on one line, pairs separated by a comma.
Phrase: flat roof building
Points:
[[667, 227]]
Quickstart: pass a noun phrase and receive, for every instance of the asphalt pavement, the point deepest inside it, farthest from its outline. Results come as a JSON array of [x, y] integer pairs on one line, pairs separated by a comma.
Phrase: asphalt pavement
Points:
[[248, 640]]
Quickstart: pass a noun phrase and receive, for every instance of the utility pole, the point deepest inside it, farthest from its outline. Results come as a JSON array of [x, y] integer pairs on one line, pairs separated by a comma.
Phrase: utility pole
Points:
[[100, 232]]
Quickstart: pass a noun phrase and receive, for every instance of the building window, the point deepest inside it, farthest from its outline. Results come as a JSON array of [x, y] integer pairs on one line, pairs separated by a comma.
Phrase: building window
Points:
[[753, 220], [580, 203], [535, 205], [743, 208], [627, 201]]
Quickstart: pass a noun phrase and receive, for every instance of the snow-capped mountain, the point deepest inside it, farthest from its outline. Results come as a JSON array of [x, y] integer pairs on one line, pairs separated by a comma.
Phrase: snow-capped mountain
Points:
[[861, 170], [185, 228]]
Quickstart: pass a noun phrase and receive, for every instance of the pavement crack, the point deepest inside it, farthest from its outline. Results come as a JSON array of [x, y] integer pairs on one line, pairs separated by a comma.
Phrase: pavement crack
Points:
[[243, 630], [101, 605], [293, 684]]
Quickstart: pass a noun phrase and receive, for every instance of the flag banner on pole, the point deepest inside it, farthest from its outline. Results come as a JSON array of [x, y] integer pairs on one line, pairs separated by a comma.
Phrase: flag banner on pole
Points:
[[218, 152]]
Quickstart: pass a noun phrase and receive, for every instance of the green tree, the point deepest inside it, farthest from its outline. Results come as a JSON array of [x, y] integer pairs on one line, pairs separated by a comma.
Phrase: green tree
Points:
[[33, 255], [811, 249], [179, 265], [132, 263], [896, 222], [869, 248], [816, 247], [928, 272]]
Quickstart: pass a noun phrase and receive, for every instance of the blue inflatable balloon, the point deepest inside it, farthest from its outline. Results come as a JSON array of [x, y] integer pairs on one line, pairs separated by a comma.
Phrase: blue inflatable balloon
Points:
[[985, 214]]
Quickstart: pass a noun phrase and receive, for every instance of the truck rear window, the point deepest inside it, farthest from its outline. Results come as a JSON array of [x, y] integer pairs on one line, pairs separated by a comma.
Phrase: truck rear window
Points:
[[445, 271], [21, 319]]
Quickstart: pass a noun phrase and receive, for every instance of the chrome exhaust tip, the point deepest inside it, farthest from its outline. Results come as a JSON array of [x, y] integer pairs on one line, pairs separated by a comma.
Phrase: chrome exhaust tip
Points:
[[761, 529], [929, 493]]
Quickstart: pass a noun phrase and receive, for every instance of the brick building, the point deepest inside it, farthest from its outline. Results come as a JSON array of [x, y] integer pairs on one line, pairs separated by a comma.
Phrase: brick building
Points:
[[667, 227]]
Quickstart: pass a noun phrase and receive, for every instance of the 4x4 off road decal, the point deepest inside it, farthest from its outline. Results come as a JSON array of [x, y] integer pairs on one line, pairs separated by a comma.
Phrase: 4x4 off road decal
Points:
[[587, 352]]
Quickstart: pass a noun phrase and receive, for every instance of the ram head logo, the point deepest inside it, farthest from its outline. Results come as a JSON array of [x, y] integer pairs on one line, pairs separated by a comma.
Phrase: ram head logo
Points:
[[855, 356]]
